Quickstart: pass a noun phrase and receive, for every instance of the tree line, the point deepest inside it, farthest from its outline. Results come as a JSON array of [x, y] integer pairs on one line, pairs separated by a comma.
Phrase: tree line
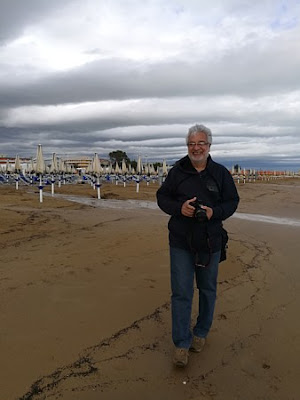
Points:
[[119, 155]]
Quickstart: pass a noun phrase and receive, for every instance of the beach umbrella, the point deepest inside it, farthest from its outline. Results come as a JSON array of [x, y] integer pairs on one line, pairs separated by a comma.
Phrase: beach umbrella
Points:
[[139, 166], [164, 168], [152, 169], [31, 166], [117, 172], [54, 164], [96, 166], [61, 170], [40, 163], [124, 167], [17, 169], [40, 168], [17, 164], [88, 168], [8, 168], [61, 166], [139, 169], [124, 171], [53, 169], [117, 168]]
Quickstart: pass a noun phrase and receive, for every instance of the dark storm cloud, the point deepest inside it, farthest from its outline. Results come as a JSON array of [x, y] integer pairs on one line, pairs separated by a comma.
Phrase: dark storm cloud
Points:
[[246, 72], [16, 15]]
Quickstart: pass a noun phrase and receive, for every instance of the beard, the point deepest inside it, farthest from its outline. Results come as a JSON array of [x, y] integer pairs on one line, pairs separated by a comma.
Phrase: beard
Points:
[[198, 157]]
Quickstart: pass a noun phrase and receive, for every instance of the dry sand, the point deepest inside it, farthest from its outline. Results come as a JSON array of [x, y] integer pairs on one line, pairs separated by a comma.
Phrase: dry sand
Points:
[[85, 300]]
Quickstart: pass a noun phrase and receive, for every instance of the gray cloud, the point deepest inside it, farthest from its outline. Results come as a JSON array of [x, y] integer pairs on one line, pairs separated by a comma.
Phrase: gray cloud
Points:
[[249, 71], [89, 77], [16, 15]]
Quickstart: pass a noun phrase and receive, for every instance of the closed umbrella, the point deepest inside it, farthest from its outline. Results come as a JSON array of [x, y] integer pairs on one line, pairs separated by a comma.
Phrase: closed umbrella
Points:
[[40, 168], [61, 170], [124, 171], [117, 168], [31, 166], [139, 166], [8, 168], [54, 164], [117, 172], [17, 164], [40, 163], [17, 170], [96, 166], [164, 168], [61, 166], [124, 167]]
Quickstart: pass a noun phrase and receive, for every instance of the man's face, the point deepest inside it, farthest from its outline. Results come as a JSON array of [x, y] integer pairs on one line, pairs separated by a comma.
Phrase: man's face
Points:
[[198, 148]]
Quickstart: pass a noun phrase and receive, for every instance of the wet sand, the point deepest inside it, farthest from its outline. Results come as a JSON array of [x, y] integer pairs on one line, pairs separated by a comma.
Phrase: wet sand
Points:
[[85, 300]]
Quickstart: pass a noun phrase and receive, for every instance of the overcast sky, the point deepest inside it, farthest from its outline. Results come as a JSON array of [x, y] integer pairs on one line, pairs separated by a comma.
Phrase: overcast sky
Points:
[[85, 76]]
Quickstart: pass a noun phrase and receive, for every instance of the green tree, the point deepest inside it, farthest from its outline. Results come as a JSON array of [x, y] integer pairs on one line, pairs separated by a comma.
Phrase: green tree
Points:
[[118, 156], [157, 164]]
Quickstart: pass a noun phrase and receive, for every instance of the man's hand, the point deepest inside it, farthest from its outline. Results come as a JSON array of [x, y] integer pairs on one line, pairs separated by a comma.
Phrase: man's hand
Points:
[[209, 211], [186, 209]]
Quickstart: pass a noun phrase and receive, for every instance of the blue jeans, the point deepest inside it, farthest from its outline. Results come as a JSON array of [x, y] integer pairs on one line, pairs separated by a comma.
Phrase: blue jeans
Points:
[[183, 271]]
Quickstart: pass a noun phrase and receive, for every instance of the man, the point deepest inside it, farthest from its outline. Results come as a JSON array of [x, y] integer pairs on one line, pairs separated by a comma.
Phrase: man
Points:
[[199, 194]]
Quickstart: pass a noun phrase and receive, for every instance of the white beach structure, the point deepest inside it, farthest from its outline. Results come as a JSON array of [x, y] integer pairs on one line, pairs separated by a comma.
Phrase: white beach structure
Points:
[[61, 170], [139, 169], [53, 170], [17, 170], [124, 171], [164, 168], [40, 168], [8, 168], [96, 169], [31, 167], [54, 164]]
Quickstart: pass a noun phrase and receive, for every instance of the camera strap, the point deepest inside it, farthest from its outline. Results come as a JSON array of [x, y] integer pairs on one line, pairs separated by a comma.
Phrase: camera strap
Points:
[[202, 252]]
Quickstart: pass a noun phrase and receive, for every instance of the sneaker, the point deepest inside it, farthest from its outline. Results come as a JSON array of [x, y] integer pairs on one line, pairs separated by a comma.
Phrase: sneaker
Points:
[[181, 357], [197, 344]]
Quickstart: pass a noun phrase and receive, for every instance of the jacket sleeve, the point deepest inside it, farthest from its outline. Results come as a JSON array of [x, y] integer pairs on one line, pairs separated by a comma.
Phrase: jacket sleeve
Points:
[[230, 198], [166, 197]]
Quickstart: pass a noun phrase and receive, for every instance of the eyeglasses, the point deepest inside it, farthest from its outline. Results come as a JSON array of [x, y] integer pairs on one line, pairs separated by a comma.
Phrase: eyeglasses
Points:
[[201, 144]]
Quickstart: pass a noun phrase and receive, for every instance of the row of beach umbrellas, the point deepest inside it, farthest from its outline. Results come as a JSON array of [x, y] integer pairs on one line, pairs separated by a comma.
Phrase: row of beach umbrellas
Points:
[[95, 167], [58, 167]]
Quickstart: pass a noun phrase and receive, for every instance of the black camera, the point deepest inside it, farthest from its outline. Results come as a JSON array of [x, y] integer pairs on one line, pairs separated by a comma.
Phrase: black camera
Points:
[[199, 213]]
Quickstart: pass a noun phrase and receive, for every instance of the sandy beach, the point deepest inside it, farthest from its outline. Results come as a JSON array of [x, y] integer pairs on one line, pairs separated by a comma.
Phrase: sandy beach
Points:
[[85, 298]]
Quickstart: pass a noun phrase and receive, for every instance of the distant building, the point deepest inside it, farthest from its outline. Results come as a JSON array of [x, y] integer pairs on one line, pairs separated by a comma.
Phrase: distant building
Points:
[[83, 161], [4, 160]]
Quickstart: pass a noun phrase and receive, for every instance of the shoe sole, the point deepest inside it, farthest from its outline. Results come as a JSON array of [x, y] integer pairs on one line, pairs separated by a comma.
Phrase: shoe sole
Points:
[[180, 364], [193, 350]]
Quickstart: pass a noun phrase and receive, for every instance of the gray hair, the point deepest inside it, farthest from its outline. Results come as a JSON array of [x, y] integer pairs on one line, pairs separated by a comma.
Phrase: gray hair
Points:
[[199, 129]]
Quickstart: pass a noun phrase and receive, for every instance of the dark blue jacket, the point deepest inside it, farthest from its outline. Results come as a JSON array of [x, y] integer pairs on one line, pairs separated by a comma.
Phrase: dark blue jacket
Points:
[[213, 187]]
